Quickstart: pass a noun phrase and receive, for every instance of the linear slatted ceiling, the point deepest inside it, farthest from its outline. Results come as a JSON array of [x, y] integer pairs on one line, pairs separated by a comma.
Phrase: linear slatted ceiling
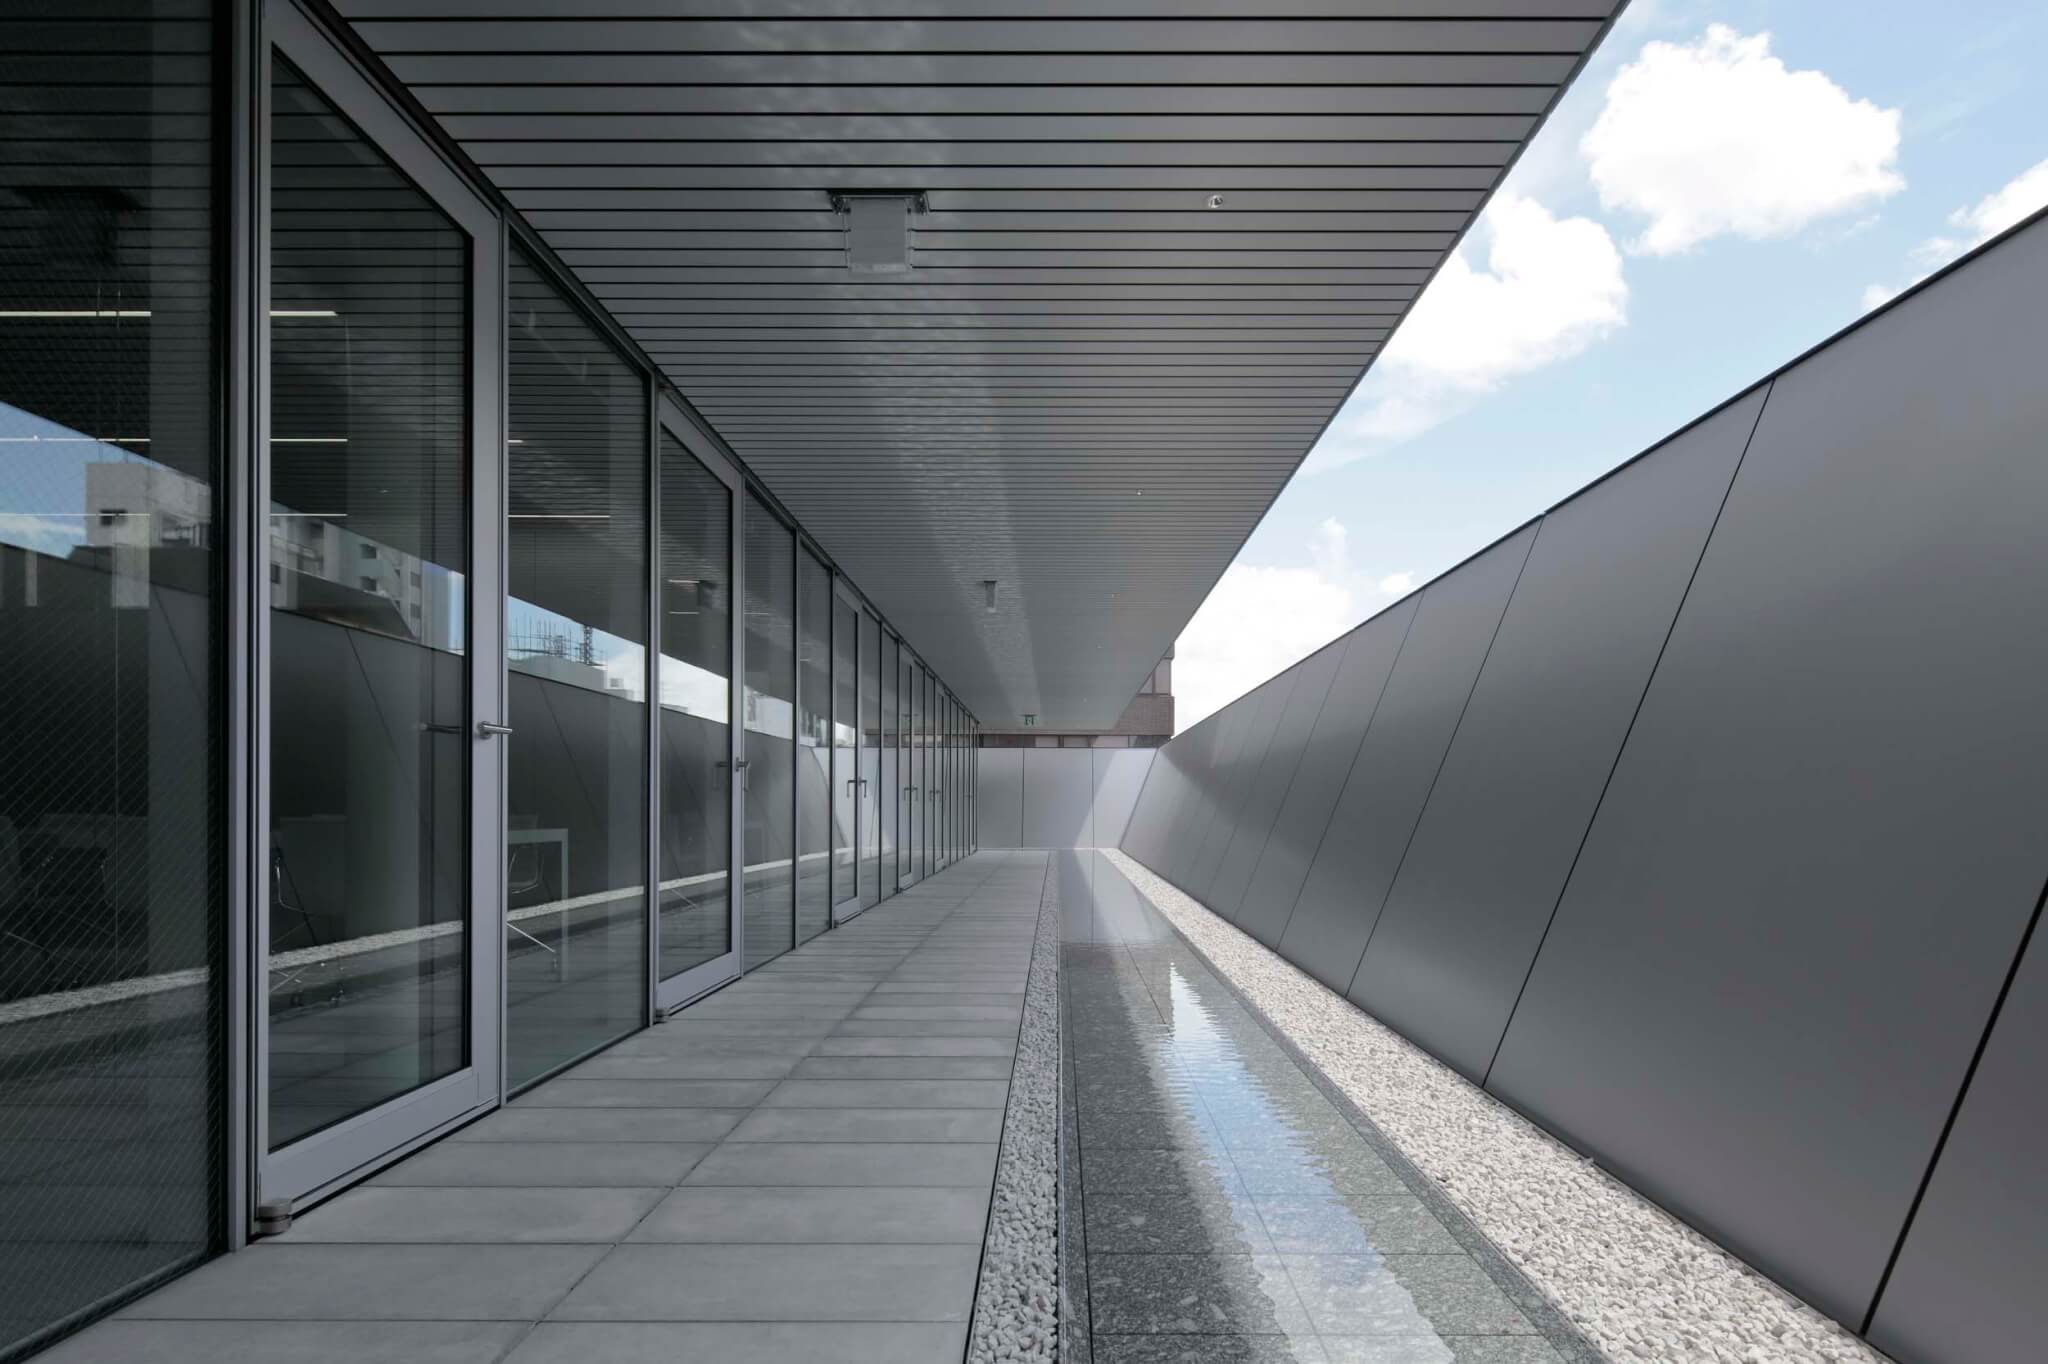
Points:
[[1092, 383]]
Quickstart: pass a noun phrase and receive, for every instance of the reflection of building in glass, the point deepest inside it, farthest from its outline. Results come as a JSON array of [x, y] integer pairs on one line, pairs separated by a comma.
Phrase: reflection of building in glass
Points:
[[319, 567]]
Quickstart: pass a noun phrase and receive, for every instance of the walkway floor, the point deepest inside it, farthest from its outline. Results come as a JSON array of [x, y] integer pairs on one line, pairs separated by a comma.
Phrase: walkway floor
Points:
[[797, 1168], [1231, 1210]]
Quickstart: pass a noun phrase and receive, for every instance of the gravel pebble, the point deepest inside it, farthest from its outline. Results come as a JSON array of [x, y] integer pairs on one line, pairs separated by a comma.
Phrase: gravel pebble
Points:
[[1016, 1302], [1637, 1281]]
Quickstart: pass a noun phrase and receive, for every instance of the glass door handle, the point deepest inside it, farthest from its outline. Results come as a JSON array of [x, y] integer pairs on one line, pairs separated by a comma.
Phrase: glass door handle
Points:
[[488, 729]]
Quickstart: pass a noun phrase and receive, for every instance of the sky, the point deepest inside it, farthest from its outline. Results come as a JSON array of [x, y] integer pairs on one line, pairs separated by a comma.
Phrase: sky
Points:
[[1728, 183]]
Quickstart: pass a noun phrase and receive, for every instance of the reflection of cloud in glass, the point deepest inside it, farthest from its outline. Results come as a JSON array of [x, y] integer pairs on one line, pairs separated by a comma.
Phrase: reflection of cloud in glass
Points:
[[694, 690], [45, 534], [42, 469]]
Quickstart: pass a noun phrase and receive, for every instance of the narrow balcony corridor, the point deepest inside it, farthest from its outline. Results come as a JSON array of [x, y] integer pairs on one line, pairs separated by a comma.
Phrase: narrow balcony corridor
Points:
[[796, 1168]]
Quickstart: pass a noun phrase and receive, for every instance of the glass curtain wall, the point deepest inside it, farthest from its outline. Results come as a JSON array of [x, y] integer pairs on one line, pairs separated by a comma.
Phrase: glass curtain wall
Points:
[[369, 562], [845, 729], [870, 766], [770, 719], [814, 746], [576, 680], [111, 545], [696, 700]]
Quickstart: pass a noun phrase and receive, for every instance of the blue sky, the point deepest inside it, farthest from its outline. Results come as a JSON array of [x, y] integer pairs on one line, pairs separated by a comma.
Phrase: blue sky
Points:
[[1726, 185]]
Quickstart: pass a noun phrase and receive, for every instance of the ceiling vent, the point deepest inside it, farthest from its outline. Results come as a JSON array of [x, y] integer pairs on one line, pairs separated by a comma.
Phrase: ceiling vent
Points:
[[877, 229]]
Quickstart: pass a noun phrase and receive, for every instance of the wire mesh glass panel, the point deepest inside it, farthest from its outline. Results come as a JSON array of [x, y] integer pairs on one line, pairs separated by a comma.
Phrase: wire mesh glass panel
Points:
[[110, 543]]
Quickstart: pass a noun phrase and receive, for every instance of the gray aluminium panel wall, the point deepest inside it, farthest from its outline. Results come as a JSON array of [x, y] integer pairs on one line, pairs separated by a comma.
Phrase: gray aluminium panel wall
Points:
[[1186, 792], [1369, 655], [1059, 794], [1231, 727], [1403, 748], [1147, 814], [1817, 854], [1218, 745], [1145, 834], [1539, 738], [1312, 678], [1269, 703], [999, 796], [1967, 1285], [1118, 773]]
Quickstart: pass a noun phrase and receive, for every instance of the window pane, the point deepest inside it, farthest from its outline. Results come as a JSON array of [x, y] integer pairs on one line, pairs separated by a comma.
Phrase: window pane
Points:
[[771, 732], [576, 665], [814, 747], [369, 625], [110, 868], [696, 706]]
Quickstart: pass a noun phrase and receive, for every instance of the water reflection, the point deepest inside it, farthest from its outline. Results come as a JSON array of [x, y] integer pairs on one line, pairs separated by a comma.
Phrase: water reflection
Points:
[[1230, 1211]]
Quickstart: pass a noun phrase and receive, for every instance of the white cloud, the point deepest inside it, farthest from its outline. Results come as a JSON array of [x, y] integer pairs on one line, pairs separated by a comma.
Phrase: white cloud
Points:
[[47, 534], [1330, 550], [2017, 199], [1255, 622], [1258, 620], [1718, 137], [1550, 288], [2011, 203], [1396, 584]]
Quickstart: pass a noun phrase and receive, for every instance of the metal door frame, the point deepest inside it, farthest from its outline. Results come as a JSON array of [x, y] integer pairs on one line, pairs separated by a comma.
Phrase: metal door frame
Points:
[[334, 1156], [678, 990], [843, 595]]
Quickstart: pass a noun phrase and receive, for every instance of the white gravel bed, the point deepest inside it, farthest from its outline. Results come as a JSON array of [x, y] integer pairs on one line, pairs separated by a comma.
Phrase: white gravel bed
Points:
[[1637, 1281], [1015, 1302]]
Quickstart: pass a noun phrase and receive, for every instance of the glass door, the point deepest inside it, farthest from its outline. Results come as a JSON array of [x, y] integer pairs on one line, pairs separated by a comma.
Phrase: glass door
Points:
[[952, 751], [940, 784], [845, 771], [952, 757], [913, 804], [380, 688], [813, 746], [767, 782], [868, 817], [576, 605], [906, 871], [890, 784], [698, 749]]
